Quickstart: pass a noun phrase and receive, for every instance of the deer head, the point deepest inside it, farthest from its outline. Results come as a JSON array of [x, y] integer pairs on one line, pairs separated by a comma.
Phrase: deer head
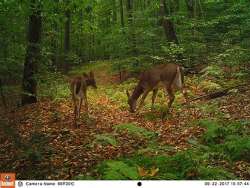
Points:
[[132, 99], [90, 79], [131, 103]]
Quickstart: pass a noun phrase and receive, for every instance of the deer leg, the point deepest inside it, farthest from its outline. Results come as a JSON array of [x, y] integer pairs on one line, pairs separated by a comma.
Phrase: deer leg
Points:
[[184, 93], [79, 110], [171, 97], [86, 102], [75, 112], [80, 106], [153, 97], [171, 100], [143, 98]]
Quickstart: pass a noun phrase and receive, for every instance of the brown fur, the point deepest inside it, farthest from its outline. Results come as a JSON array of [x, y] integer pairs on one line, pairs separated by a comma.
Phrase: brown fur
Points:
[[78, 86], [170, 75]]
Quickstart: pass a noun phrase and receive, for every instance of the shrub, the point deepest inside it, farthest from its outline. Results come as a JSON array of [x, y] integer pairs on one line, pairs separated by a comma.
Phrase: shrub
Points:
[[237, 148], [214, 134], [135, 130], [209, 86], [54, 86], [118, 170], [105, 139], [212, 71], [214, 173]]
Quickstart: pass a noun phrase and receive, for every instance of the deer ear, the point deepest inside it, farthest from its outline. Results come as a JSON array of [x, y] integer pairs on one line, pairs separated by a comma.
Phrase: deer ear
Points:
[[85, 75], [127, 93], [91, 74]]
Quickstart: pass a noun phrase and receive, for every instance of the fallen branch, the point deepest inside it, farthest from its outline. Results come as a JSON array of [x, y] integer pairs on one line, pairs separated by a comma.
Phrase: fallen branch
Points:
[[217, 94]]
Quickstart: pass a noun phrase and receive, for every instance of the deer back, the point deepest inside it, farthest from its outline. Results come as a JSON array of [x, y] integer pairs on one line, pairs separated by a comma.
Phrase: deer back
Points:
[[168, 74], [78, 85]]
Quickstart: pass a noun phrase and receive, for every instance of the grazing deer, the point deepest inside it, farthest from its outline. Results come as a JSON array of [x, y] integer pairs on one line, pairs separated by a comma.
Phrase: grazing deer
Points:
[[78, 87], [170, 75]]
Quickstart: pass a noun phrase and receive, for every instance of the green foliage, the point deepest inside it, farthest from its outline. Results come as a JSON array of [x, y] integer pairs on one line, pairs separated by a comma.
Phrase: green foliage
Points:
[[135, 130], [173, 51], [204, 160], [117, 94], [153, 148], [87, 119], [215, 132], [213, 173], [211, 109], [53, 86], [215, 33], [209, 86], [212, 71], [118, 170], [134, 65], [234, 56], [151, 116], [36, 147], [33, 155], [105, 139], [184, 165], [231, 140], [238, 148]]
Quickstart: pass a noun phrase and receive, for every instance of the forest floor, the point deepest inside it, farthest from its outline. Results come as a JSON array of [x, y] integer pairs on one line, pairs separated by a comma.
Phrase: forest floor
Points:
[[38, 141]]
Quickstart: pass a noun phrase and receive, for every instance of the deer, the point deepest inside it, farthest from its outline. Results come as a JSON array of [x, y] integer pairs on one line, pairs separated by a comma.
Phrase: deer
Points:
[[78, 86], [170, 75]]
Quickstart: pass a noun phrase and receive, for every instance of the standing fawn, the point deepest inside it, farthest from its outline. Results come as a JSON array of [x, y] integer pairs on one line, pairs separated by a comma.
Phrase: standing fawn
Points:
[[170, 75], [78, 88]]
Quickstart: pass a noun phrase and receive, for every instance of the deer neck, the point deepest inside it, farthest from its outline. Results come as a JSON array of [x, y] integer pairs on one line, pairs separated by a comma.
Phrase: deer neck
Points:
[[137, 92], [87, 82]]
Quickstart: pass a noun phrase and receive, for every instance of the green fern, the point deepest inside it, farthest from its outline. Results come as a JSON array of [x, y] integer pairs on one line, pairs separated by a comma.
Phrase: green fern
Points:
[[105, 139], [238, 148], [214, 173], [215, 133], [135, 130], [118, 170]]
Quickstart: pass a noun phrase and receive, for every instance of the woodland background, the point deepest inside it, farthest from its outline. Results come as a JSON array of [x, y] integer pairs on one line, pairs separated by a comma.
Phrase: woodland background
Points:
[[44, 43]]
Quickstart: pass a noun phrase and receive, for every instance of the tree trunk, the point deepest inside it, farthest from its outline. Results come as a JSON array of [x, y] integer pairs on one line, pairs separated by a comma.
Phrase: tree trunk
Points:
[[190, 7], [29, 83], [54, 39], [132, 38], [114, 13], [122, 14], [67, 39], [167, 24], [194, 8], [81, 41]]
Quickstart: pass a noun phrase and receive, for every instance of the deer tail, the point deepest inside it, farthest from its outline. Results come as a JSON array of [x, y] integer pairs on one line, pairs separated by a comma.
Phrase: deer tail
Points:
[[182, 69], [178, 78]]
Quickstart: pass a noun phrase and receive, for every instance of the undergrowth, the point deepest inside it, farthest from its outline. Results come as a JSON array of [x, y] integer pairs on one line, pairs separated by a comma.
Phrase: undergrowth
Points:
[[222, 141]]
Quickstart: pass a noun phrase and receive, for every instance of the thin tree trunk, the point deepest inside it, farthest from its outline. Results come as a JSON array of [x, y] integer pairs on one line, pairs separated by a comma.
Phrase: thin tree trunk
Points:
[[54, 40], [67, 39], [114, 13], [122, 14], [29, 84], [194, 8], [54, 45], [81, 36], [67, 32], [167, 24], [132, 38]]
